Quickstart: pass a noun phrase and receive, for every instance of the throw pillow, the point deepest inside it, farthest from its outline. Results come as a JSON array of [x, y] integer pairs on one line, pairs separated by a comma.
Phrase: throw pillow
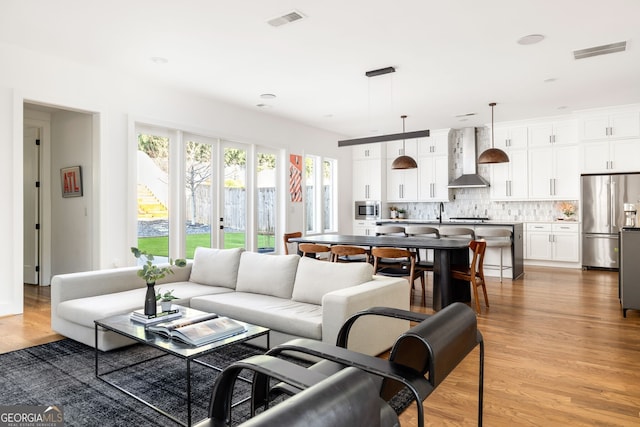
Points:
[[216, 267], [267, 274], [316, 278]]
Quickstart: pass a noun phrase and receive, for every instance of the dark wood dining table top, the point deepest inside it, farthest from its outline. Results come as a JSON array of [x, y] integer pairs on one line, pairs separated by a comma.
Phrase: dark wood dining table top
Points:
[[386, 241]]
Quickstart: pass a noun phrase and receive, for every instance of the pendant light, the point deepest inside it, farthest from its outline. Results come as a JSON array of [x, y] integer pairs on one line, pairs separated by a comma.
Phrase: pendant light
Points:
[[404, 161], [493, 155]]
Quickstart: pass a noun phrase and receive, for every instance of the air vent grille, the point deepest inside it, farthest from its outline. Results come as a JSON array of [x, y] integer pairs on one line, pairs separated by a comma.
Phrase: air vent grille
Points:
[[285, 19], [605, 49]]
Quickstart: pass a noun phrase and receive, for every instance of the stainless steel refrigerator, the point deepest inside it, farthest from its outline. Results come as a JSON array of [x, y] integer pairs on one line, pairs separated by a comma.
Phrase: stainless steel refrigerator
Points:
[[603, 198]]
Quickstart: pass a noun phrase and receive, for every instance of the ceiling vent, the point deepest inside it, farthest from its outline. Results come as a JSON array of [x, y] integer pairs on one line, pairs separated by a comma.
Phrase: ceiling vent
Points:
[[285, 19], [605, 49]]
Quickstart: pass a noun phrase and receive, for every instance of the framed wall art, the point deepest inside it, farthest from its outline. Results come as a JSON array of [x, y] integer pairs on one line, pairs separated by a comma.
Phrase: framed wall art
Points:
[[295, 177], [71, 181]]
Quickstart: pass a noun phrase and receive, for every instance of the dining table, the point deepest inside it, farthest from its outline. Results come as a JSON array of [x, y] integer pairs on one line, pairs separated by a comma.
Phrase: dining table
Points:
[[448, 254]]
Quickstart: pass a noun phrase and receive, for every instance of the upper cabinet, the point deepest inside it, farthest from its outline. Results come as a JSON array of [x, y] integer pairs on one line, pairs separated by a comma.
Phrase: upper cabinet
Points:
[[436, 145], [618, 125], [610, 156], [368, 173], [563, 132], [510, 137], [367, 151], [402, 184]]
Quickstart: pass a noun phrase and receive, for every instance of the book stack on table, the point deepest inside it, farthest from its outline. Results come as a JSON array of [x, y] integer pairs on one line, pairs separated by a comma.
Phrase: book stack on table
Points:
[[200, 329], [160, 316]]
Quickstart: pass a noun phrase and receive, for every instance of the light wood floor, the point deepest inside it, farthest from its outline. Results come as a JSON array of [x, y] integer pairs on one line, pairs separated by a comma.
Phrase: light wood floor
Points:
[[558, 353]]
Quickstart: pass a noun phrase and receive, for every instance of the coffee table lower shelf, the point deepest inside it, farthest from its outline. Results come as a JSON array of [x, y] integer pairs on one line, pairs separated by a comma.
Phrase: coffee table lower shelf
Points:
[[123, 325]]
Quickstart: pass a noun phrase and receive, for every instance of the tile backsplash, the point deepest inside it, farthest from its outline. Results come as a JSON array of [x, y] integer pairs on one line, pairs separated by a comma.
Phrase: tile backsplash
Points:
[[476, 202]]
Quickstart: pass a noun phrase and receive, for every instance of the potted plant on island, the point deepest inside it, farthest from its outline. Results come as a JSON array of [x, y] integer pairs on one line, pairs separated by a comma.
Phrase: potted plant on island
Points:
[[165, 299], [401, 213], [152, 273]]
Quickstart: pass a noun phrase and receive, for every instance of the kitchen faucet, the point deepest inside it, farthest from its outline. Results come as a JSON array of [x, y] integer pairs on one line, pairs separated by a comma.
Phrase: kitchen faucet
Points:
[[441, 209]]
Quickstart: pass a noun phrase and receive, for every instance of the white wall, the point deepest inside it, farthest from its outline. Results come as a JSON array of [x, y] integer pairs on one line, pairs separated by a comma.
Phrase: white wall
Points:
[[71, 218], [113, 100]]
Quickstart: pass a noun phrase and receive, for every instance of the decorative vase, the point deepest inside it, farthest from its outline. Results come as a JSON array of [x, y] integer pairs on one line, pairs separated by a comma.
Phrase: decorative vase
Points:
[[166, 305], [150, 300]]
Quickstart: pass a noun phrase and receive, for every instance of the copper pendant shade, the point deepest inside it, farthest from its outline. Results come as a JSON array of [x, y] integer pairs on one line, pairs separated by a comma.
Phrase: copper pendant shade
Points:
[[493, 155], [404, 161]]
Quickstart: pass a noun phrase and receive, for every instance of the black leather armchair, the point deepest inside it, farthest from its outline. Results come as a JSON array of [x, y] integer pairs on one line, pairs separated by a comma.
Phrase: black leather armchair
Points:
[[420, 359], [348, 398]]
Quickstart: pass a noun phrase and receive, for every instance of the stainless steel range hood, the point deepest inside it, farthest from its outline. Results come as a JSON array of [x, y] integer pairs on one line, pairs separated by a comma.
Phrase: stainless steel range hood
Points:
[[470, 177]]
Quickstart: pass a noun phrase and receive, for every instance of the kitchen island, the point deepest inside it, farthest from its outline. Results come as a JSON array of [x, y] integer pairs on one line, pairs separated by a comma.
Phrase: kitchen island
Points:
[[517, 238]]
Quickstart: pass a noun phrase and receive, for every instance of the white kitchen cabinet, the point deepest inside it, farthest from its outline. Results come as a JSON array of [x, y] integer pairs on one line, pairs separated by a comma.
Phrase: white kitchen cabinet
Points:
[[610, 156], [509, 180], [398, 148], [554, 173], [563, 132], [433, 179], [510, 137], [402, 184], [367, 179], [367, 151], [364, 228], [613, 125], [553, 242], [436, 145]]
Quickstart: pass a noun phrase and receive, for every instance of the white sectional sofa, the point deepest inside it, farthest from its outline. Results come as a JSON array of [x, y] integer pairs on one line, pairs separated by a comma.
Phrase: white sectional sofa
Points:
[[293, 296]]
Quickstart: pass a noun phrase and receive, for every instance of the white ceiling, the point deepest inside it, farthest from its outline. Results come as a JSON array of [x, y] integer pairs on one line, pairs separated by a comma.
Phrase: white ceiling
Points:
[[452, 56]]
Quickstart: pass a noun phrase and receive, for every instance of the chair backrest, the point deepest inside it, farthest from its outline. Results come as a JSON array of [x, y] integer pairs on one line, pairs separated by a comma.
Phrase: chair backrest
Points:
[[312, 248], [338, 251], [435, 345], [288, 236], [421, 230], [494, 236], [457, 232], [477, 262], [385, 230], [393, 253]]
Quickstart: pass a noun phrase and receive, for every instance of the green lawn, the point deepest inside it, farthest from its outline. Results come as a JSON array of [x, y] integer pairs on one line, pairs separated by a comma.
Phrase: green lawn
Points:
[[159, 246]]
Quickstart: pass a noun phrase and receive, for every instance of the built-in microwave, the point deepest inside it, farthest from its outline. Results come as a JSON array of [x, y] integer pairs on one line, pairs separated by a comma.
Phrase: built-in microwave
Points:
[[367, 209]]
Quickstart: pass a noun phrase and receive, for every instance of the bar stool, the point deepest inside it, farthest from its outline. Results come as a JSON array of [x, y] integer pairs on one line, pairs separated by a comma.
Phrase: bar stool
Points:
[[496, 238], [425, 231], [457, 232]]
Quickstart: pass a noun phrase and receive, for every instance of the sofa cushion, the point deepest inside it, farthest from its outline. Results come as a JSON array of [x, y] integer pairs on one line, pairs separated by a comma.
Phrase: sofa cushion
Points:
[[316, 278], [284, 315], [267, 274], [216, 267]]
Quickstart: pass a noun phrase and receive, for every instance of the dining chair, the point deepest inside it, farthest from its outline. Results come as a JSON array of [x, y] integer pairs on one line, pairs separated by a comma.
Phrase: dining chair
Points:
[[496, 238], [288, 236], [347, 253], [424, 231], [405, 266], [474, 274], [319, 252]]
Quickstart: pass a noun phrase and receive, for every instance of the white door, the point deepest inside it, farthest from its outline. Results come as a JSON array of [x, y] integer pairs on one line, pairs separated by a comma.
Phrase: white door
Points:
[[31, 176], [234, 204]]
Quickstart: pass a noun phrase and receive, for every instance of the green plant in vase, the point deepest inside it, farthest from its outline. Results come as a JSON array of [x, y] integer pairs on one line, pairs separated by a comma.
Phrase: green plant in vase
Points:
[[165, 299], [151, 273]]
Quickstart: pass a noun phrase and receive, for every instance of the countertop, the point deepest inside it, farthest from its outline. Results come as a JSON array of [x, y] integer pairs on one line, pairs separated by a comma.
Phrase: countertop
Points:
[[446, 222]]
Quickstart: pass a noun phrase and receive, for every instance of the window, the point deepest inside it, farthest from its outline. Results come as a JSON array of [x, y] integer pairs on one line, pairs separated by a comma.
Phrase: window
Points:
[[196, 191], [321, 194], [199, 192], [153, 193], [266, 206]]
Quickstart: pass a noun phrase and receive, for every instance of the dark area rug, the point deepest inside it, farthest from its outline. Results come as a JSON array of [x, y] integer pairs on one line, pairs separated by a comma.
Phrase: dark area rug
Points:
[[62, 373]]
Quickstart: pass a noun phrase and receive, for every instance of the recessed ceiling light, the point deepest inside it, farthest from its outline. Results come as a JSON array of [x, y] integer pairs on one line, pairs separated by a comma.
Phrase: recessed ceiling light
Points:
[[466, 115], [562, 107], [531, 39], [159, 60], [263, 105], [267, 96], [550, 80]]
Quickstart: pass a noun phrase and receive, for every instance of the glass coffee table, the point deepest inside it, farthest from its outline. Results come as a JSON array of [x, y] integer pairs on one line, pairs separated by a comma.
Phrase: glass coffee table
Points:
[[123, 325]]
